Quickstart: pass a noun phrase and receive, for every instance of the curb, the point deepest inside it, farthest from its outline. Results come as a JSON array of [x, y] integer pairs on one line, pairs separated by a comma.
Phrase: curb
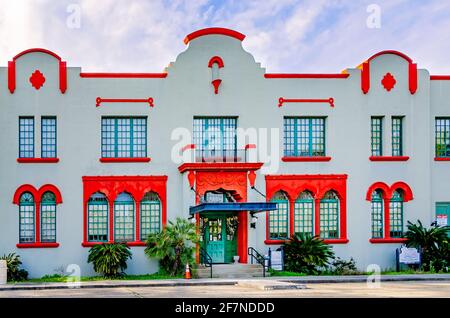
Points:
[[181, 283]]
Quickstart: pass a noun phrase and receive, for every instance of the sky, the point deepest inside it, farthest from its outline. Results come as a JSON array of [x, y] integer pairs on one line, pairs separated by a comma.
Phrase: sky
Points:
[[285, 36]]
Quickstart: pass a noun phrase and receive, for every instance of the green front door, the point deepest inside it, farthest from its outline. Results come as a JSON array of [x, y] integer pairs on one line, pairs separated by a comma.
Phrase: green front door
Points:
[[443, 213], [220, 237]]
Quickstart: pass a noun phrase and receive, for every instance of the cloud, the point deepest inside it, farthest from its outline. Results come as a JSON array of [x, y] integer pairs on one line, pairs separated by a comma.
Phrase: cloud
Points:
[[286, 36]]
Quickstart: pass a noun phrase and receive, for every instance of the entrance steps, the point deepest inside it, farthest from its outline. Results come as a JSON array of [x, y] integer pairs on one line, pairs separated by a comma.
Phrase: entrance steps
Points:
[[231, 271]]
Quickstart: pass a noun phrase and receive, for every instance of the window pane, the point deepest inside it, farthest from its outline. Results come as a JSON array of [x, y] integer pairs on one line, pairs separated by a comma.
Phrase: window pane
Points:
[[124, 137], [124, 218], [98, 218], [397, 136], [26, 219], [48, 137], [329, 216], [278, 219], [304, 136], [215, 139], [304, 214], [26, 137], [377, 215], [48, 218], [376, 133], [442, 142], [150, 215], [396, 215]]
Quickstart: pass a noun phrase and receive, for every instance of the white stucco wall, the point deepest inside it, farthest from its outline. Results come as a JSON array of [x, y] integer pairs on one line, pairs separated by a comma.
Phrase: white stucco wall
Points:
[[245, 93]]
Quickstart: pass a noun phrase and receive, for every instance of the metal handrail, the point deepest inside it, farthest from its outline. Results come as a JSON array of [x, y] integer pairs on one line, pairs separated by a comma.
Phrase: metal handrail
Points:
[[206, 259], [254, 254]]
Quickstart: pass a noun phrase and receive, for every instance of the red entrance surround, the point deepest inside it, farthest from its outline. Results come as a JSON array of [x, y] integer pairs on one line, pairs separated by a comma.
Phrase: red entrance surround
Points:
[[37, 195], [111, 187], [231, 177], [318, 185]]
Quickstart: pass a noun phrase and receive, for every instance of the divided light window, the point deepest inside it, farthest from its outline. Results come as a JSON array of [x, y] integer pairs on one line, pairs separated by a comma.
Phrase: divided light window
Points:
[[48, 137], [376, 136], [26, 137], [397, 136], [442, 138], [124, 137], [304, 137], [215, 138]]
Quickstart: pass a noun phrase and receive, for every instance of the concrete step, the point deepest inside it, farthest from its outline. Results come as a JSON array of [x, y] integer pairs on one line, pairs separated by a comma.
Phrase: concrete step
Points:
[[231, 271]]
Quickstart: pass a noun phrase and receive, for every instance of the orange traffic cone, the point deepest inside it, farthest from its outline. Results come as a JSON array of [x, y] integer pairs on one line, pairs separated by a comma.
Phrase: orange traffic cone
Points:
[[187, 273]]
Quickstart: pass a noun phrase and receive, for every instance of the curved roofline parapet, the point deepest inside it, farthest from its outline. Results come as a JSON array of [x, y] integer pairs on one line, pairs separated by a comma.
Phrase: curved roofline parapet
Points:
[[214, 31]]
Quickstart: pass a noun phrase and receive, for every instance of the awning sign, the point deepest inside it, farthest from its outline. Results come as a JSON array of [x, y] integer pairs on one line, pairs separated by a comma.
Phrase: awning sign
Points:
[[442, 219]]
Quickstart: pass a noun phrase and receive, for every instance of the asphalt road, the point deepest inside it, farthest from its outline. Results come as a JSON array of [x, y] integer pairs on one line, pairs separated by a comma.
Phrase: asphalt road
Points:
[[387, 289]]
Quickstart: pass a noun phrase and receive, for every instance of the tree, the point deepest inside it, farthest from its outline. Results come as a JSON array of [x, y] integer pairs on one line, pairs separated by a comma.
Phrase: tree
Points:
[[174, 246], [433, 242], [307, 254]]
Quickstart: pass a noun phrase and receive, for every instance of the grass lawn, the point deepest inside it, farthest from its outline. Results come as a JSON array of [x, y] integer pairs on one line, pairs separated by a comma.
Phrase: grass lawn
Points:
[[62, 279]]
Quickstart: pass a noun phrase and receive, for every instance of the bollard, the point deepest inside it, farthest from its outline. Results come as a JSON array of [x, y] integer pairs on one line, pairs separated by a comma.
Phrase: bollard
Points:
[[3, 272]]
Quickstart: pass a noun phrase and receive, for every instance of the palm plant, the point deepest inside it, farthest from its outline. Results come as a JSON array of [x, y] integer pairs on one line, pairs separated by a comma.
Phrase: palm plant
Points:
[[109, 259], [174, 246], [434, 244], [13, 263], [305, 253]]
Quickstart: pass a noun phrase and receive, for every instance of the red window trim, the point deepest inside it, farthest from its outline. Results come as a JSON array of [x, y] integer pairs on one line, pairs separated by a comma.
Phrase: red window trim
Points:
[[387, 192], [37, 160], [37, 245], [131, 244], [318, 185], [305, 159], [441, 159], [326, 241], [387, 240], [111, 187], [388, 158], [37, 195], [116, 160]]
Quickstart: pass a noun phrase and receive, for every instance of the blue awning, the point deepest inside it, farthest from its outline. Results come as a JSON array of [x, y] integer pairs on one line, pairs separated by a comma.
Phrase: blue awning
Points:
[[232, 206]]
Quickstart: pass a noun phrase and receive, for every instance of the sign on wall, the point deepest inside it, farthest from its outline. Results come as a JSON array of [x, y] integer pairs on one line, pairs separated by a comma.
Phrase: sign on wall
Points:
[[409, 255], [442, 219]]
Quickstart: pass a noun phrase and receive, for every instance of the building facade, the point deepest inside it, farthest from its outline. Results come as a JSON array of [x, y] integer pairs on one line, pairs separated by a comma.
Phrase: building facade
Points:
[[102, 157]]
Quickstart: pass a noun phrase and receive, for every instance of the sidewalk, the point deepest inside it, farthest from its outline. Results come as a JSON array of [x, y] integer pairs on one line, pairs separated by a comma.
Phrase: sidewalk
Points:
[[225, 282]]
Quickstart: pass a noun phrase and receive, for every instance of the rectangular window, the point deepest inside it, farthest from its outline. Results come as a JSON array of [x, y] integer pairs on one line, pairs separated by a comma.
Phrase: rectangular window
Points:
[[215, 139], [304, 137], [329, 219], [124, 222], [124, 137], [26, 226], [303, 217], [150, 218], [48, 137], [442, 139], [376, 136], [396, 218], [397, 136], [26, 137]]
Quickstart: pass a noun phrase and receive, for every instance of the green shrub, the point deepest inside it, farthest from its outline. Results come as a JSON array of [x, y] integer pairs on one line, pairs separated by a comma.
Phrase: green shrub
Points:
[[109, 259], [174, 246], [13, 263], [434, 243], [307, 254], [340, 266]]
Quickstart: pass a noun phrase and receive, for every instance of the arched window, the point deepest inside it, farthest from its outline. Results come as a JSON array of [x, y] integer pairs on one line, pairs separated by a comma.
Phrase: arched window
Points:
[[304, 213], [396, 214], [26, 218], [124, 218], [278, 219], [377, 214], [150, 215], [48, 217], [329, 216], [98, 218]]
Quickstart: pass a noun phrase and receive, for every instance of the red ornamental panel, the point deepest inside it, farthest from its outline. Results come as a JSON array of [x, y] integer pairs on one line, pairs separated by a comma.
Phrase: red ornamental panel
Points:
[[37, 79], [136, 186], [318, 185], [388, 81]]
